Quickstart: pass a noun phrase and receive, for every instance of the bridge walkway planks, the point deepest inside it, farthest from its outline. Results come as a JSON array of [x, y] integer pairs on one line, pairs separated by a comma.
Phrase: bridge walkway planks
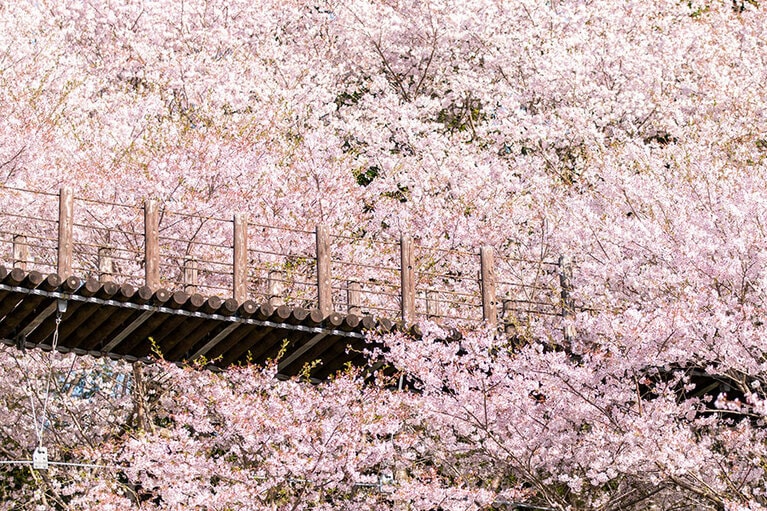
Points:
[[128, 323]]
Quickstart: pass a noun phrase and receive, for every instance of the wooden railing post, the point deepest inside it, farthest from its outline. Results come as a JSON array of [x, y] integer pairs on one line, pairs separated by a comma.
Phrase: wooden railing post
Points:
[[354, 297], [66, 213], [568, 309], [190, 275], [106, 265], [433, 304], [407, 273], [20, 252], [240, 273], [324, 289], [487, 284], [509, 321], [274, 288], [152, 244]]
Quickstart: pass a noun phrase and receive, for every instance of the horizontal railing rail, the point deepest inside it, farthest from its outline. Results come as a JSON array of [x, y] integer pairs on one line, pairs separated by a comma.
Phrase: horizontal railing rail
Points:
[[156, 246]]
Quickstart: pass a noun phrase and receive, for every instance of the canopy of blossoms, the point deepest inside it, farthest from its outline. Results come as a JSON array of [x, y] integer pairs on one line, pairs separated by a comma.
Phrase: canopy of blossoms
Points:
[[630, 137]]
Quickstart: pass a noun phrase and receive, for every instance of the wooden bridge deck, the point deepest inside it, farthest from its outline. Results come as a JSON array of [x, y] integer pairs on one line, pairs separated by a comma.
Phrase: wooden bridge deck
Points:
[[124, 322], [131, 281]]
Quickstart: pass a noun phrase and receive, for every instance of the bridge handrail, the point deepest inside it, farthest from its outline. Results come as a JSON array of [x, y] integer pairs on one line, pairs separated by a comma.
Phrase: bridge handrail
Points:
[[159, 247]]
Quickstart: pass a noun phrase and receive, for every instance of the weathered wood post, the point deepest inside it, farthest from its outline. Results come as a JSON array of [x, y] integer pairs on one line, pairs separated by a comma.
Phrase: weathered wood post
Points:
[[274, 288], [190, 275], [433, 304], [240, 255], [324, 284], [20, 252], [151, 245], [487, 284], [407, 273], [106, 265], [354, 297], [568, 308], [509, 321], [66, 214]]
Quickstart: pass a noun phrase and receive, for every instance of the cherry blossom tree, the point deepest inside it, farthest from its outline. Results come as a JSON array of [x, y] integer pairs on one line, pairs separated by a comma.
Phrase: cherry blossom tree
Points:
[[629, 137]]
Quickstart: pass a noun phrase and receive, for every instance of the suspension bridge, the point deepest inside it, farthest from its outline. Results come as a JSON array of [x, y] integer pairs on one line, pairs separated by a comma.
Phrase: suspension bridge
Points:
[[135, 282]]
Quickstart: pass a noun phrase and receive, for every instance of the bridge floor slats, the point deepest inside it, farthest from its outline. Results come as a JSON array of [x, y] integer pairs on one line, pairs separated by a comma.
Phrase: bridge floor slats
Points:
[[121, 322]]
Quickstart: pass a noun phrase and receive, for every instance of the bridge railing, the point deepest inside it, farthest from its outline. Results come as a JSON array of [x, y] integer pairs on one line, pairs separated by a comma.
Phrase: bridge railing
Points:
[[107, 241], [156, 245], [28, 231], [195, 253], [282, 265], [366, 276]]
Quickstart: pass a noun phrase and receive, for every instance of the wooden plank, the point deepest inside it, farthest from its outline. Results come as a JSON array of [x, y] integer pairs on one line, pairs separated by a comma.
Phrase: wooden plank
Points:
[[16, 306], [167, 335], [120, 337], [433, 304], [488, 286], [354, 298], [16, 276], [39, 319], [92, 329], [270, 345], [152, 244], [106, 265], [189, 327], [159, 323], [192, 331], [240, 254], [407, 287], [190, 275], [20, 252], [248, 344], [163, 333], [188, 343], [321, 346], [336, 354], [112, 325], [66, 222], [88, 288], [298, 353], [324, 289], [26, 311], [274, 288], [223, 347], [223, 334], [3, 274]]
